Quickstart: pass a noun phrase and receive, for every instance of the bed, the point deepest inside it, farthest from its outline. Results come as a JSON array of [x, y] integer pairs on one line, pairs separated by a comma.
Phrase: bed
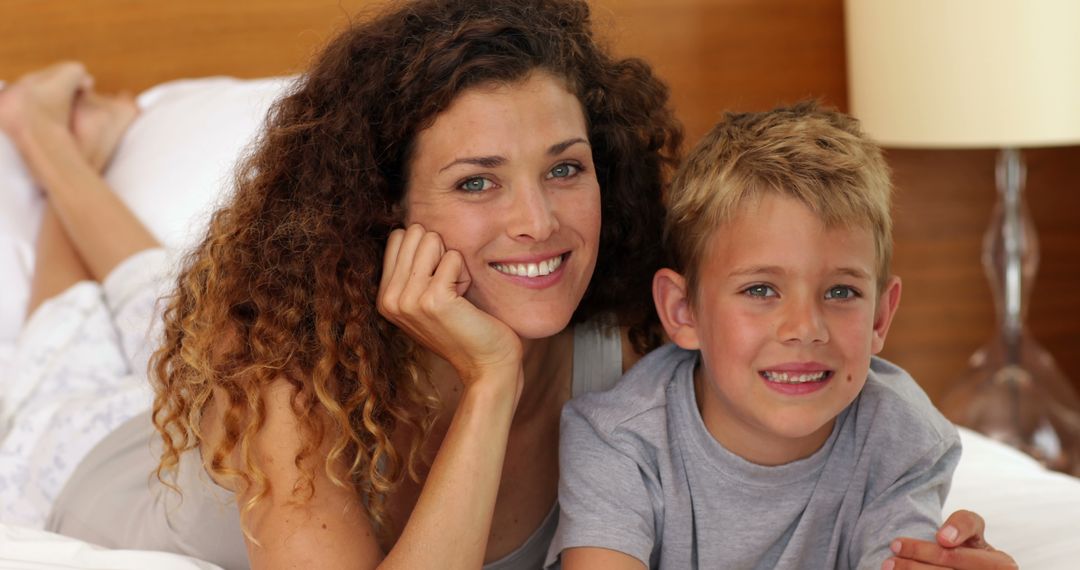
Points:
[[172, 175]]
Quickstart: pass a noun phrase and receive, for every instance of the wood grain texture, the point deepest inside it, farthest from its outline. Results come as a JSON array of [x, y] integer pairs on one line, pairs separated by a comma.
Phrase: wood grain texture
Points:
[[716, 55], [738, 55], [753, 55], [944, 202], [133, 44]]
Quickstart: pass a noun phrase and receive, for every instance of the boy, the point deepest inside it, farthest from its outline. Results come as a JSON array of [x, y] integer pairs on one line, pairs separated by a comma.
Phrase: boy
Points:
[[766, 436]]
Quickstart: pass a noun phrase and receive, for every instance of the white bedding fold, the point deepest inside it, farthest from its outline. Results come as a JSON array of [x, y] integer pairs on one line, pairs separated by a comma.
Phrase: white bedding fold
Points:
[[1031, 513], [29, 549]]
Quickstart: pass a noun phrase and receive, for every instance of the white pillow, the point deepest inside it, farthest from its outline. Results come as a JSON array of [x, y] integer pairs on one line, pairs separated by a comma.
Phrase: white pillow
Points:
[[179, 155], [20, 215], [170, 169]]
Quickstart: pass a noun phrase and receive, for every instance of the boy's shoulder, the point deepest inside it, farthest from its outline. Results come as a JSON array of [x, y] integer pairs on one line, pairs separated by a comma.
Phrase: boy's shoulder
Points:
[[901, 411], [639, 398]]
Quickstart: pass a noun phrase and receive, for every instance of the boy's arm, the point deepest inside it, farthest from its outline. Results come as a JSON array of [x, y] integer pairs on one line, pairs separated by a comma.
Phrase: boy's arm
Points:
[[607, 501], [910, 506]]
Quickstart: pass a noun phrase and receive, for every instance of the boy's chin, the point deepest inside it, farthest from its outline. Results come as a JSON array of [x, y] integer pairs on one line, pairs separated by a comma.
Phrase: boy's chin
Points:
[[808, 436], [809, 429]]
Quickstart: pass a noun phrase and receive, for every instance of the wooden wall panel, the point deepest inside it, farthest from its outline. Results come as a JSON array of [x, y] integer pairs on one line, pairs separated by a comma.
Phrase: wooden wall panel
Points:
[[745, 55], [944, 201], [752, 55], [716, 55], [133, 44]]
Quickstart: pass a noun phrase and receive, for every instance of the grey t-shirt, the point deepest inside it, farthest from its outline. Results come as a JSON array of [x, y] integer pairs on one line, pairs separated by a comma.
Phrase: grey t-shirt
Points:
[[640, 474]]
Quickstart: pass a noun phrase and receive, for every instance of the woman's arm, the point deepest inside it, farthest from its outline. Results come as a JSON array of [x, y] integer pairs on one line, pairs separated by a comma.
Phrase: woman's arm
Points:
[[449, 525], [328, 530], [421, 292], [960, 545]]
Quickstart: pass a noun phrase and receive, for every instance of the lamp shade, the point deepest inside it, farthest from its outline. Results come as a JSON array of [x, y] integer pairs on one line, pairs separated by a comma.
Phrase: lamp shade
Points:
[[965, 73]]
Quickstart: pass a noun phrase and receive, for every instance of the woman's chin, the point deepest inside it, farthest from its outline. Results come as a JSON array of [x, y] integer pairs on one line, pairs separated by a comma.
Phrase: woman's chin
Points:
[[536, 325]]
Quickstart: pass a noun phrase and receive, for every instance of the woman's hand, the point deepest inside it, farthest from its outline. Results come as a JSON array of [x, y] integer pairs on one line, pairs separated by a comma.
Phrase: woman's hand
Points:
[[42, 98], [422, 291], [960, 545]]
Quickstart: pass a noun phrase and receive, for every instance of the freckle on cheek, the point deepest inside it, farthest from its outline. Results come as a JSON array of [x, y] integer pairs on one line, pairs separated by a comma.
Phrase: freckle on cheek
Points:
[[849, 378]]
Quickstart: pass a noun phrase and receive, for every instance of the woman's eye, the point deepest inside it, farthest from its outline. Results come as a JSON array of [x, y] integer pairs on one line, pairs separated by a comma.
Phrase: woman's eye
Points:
[[760, 291], [841, 292], [477, 184], [564, 170]]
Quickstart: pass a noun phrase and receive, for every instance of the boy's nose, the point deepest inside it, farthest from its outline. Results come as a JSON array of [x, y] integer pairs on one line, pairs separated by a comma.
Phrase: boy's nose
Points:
[[803, 322], [531, 215]]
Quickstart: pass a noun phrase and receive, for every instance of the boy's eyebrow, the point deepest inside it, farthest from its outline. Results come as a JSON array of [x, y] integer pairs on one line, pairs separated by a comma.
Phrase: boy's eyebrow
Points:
[[854, 272], [757, 270], [494, 161]]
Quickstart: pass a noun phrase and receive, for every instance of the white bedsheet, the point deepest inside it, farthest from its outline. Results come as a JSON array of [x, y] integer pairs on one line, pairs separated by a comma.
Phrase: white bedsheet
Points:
[[1032, 513], [28, 549]]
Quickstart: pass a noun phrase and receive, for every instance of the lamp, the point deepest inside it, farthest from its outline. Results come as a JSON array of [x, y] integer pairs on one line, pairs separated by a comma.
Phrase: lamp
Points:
[[999, 74]]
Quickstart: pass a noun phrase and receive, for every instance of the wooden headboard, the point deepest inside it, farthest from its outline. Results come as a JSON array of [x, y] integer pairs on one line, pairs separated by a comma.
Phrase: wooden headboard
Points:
[[133, 44], [715, 54]]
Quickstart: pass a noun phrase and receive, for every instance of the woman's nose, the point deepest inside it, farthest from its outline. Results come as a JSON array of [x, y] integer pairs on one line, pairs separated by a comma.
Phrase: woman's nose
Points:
[[532, 214], [801, 321]]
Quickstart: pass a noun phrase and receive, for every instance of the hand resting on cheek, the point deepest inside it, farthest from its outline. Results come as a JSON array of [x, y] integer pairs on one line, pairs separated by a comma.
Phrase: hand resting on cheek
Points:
[[422, 292]]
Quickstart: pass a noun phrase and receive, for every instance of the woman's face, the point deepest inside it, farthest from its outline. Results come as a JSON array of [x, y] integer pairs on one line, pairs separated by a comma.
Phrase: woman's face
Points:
[[505, 176]]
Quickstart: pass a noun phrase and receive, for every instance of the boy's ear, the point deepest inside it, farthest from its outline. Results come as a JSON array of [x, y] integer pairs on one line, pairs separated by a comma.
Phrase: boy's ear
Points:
[[673, 305], [887, 304]]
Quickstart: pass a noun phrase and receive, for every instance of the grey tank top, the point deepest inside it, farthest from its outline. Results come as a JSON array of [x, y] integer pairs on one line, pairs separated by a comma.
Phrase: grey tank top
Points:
[[113, 499]]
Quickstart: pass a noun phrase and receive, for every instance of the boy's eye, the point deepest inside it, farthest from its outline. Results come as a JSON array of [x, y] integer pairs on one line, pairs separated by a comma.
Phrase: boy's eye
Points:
[[477, 184], [841, 292], [564, 170], [760, 291]]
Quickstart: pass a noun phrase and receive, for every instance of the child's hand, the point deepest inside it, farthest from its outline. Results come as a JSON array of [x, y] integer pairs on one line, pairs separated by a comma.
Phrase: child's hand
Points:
[[422, 292], [960, 545]]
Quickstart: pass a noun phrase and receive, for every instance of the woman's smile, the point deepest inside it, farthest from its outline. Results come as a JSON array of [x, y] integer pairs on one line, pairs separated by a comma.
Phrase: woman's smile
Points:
[[529, 268]]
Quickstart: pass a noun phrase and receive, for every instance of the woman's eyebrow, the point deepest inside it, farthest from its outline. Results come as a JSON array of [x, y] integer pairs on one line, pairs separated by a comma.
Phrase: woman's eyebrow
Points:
[[484, 161], [495, 161], [558, 148]]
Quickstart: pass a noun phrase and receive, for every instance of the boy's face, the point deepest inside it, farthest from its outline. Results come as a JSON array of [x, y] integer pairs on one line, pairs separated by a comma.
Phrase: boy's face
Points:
[[786, 317]]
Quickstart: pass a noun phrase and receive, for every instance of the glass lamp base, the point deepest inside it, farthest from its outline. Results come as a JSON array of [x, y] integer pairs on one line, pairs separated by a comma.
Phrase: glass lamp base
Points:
[[1024, 401]]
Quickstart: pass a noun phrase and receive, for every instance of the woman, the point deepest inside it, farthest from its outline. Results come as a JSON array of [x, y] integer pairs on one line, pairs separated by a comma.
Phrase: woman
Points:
[[504, 174], [472, 124]]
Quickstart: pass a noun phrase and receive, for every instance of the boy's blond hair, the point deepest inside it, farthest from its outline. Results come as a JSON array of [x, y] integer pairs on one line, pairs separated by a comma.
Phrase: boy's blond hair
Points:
[[817, 156]]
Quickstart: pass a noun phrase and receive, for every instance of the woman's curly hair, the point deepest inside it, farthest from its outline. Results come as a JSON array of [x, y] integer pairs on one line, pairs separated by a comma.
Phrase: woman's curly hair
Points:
[[284, 284]]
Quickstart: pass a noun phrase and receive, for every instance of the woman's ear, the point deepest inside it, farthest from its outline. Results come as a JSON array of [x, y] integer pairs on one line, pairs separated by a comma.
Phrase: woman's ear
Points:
[[672, 299]]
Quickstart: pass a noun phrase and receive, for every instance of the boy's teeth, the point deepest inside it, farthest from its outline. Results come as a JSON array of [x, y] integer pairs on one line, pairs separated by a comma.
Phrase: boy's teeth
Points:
[[529, 269], [785, 378]]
